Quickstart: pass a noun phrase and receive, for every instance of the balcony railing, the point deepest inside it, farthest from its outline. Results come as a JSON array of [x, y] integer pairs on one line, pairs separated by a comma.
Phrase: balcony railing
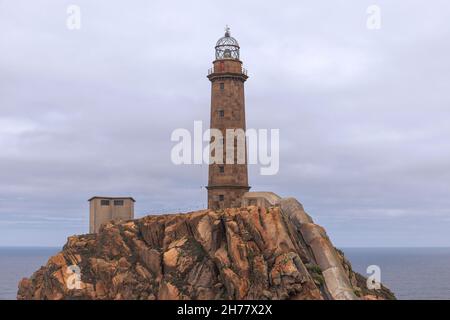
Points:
[[211, 71]]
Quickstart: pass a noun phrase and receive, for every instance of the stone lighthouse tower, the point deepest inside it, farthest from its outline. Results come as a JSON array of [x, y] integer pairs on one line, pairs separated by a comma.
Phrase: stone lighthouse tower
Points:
[[227, 182]]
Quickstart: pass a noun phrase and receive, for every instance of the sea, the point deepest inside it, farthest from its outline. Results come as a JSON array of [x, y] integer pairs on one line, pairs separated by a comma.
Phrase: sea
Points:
[[411, 273]]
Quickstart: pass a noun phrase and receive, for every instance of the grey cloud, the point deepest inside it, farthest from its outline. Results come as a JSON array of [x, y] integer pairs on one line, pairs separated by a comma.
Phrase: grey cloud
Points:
[[363, 115]]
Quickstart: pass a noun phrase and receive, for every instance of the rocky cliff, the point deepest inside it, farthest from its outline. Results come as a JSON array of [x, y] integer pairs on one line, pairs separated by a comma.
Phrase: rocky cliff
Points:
[[248, 253]]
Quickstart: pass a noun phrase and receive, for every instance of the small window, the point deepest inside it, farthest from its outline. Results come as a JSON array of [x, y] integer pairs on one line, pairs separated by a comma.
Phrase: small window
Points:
[[221, 113], [221, 169], [118, 203], [221, 197], [222, 86], [104, 202]]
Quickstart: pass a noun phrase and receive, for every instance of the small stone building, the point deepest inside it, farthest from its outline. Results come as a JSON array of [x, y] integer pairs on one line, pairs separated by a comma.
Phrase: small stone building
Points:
[[261, 199], [105, 209]]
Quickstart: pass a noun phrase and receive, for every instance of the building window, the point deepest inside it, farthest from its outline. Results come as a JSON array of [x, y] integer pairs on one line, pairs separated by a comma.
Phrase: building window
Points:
[[221, 169], [221, 197], [221, 113], [118, 203], [222, 86], [104, 202]]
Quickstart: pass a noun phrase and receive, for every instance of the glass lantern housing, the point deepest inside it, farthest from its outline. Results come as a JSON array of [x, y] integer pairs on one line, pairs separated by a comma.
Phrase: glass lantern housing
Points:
[[227, 47]]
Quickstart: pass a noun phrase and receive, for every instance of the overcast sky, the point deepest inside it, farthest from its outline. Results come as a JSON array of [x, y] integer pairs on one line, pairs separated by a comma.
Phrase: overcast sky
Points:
[[364, 115]]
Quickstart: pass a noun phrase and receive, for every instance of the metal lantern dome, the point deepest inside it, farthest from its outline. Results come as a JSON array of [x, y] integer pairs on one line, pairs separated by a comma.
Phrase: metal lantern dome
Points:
[[227, 47]]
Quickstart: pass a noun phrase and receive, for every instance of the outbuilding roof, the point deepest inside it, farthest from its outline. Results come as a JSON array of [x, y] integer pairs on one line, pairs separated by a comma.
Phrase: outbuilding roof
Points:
[[111, 198]]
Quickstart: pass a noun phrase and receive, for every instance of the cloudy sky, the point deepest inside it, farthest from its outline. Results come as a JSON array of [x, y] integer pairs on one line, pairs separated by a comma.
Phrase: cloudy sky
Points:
[[363, 114]]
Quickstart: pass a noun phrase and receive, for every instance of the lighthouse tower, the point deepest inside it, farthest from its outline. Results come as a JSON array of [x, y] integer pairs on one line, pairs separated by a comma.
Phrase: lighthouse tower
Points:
[[227, 182]]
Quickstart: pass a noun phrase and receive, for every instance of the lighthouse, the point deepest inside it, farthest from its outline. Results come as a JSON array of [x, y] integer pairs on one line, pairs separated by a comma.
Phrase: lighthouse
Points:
[[227, 182]]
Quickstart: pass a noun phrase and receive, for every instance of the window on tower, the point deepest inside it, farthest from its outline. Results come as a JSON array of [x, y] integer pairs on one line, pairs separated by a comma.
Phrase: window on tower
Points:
[[222, 86], [221, 169], [221, 197], [104, 202], [221, 113]]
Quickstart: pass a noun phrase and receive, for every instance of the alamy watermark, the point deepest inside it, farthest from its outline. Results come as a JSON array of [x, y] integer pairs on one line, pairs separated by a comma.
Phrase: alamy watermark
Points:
[[74, 277], [214, 147], [73, 21], [373, 17], [374, 279]]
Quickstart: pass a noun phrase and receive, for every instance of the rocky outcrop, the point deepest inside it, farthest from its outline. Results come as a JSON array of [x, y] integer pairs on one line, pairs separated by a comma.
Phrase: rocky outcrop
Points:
[[325, 255], [247, 253]]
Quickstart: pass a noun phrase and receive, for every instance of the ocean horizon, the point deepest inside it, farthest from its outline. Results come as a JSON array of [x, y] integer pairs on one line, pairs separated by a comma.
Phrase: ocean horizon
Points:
[[412, 273]]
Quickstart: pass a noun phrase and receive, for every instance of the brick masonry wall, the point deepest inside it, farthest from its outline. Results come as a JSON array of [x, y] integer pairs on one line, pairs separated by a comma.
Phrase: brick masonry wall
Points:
[[227, 112]]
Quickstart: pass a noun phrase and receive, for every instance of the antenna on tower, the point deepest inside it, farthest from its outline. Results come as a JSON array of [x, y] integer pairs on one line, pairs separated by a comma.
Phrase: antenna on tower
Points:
[[227, 31]]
